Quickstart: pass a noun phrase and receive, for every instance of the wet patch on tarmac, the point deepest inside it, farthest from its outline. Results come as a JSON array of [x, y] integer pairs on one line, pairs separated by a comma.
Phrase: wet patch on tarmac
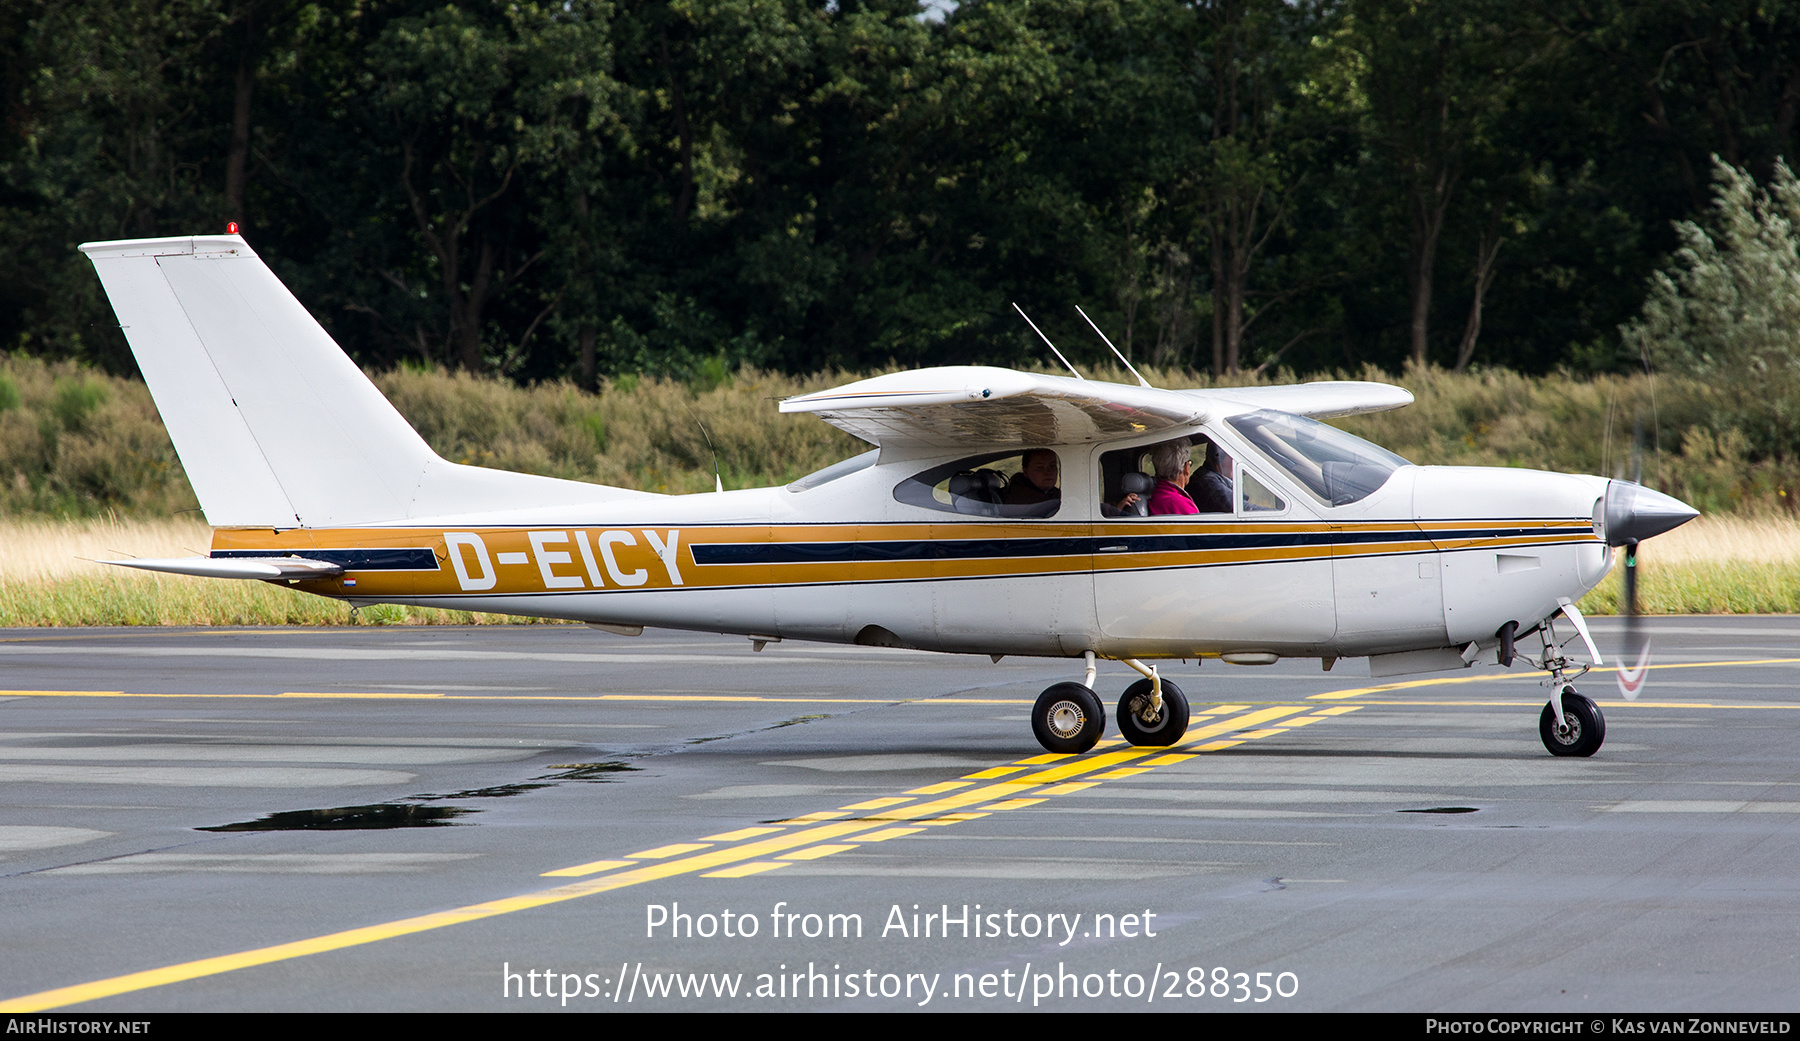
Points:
[[407, 815], [352, 818]]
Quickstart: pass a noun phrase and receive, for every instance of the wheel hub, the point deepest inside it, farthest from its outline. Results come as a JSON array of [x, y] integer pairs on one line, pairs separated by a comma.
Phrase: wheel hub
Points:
[[1570, 732], [1066, 719]]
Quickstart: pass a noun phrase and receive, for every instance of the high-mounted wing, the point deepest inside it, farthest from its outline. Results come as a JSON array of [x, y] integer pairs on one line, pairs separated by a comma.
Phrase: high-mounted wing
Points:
[[956, 406], [961, 405], [1321, 400]]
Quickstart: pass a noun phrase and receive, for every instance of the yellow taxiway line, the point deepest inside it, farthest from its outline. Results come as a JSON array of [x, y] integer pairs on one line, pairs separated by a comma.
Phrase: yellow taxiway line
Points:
[[745, 851]]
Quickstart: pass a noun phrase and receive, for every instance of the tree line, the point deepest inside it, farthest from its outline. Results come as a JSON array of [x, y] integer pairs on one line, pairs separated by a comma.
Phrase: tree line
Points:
[[580, 189]]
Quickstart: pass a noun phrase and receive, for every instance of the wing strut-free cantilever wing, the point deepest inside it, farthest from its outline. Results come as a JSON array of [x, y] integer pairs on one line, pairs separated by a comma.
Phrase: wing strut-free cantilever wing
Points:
[[955, 406]]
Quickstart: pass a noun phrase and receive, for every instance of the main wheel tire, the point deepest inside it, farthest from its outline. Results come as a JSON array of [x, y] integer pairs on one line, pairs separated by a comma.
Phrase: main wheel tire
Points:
[[1068, 718], [1166, 729], [1584, 727]]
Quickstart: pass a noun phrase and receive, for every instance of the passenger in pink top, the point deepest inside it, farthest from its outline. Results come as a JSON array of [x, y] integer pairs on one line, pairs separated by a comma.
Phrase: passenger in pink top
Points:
[[1174, 467]]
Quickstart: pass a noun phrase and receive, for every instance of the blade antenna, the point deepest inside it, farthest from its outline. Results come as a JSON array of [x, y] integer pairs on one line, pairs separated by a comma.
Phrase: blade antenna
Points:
[[1142, 382], [1047, 343]]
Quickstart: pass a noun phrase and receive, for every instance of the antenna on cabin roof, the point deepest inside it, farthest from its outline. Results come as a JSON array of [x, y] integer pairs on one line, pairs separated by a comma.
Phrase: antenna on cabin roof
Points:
[[1047, 343], [1142, 382]]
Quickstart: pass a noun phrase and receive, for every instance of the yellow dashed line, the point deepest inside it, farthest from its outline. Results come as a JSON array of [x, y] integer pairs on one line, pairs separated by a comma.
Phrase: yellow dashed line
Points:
[[755, 867], [940, 787], [1014, 804], [591, 868], [889, 833], [815, 852], [741, 833], [1529, 677], [668, 851], [699, 858], [876, 804], [1236, 723], [813, 818], [743, 860]]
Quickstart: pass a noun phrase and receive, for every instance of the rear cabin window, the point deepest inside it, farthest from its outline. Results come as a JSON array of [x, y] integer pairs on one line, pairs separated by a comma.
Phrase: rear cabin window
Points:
[[1017, 484]]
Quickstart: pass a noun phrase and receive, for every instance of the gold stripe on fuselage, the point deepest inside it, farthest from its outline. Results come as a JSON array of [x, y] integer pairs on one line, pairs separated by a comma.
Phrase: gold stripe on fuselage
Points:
[[517, 561]]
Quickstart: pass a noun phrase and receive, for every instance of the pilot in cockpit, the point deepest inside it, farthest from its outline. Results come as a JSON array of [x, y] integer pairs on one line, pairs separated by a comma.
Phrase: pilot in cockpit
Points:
[[1036, 480], [1211, 487]]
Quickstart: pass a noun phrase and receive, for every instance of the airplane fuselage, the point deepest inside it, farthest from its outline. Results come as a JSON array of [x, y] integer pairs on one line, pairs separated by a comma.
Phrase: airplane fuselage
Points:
[[1437, 559]]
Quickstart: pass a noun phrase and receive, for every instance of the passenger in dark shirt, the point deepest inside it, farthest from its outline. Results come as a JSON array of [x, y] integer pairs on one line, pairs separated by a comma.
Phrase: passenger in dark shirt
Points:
[[1211, 487], [1036, 481]]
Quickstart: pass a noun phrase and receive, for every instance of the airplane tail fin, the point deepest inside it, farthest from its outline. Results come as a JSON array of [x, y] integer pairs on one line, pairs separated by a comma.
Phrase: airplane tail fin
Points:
[[274, 424]]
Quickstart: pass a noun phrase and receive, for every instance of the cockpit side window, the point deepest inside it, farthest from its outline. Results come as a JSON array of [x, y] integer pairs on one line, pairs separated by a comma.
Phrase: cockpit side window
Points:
[[1016, 484], [1189, 476]]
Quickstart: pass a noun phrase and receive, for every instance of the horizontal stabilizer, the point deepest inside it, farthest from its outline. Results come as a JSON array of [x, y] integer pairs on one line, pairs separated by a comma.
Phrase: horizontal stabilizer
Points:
[[266, 568]]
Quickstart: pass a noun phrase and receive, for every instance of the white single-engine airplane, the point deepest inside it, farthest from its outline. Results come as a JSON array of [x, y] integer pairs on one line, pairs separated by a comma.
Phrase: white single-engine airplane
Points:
[[1290, 539]]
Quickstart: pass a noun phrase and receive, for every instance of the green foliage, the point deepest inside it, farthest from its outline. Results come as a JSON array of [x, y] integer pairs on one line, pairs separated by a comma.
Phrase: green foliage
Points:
[[75, 401], [1728, 304], [582, 190], [77, 443]]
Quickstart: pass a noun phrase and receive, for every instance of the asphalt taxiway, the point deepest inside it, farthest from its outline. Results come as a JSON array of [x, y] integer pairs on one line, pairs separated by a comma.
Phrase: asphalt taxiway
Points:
[[566, 817]]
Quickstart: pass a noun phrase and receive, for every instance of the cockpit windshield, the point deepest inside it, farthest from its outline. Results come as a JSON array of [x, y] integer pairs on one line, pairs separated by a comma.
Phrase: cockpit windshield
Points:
[[1340, 468]]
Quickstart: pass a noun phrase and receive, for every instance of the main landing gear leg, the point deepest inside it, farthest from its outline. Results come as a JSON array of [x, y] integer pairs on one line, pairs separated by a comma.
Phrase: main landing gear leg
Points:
[[1571, 724], [1069, 718]]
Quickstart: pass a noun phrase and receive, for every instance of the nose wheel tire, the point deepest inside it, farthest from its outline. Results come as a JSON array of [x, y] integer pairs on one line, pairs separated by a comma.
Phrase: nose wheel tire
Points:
[[1068, 718], [1163, 730], [1583, 729]]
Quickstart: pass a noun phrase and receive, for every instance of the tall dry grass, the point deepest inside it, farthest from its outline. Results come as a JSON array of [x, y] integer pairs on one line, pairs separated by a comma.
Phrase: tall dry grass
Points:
[[1713, 565], [48, 576], [74, 442]]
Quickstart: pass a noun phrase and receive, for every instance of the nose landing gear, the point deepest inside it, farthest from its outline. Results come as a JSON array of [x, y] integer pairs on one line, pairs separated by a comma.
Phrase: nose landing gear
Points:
[[1571, 724], [1580, 730]]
